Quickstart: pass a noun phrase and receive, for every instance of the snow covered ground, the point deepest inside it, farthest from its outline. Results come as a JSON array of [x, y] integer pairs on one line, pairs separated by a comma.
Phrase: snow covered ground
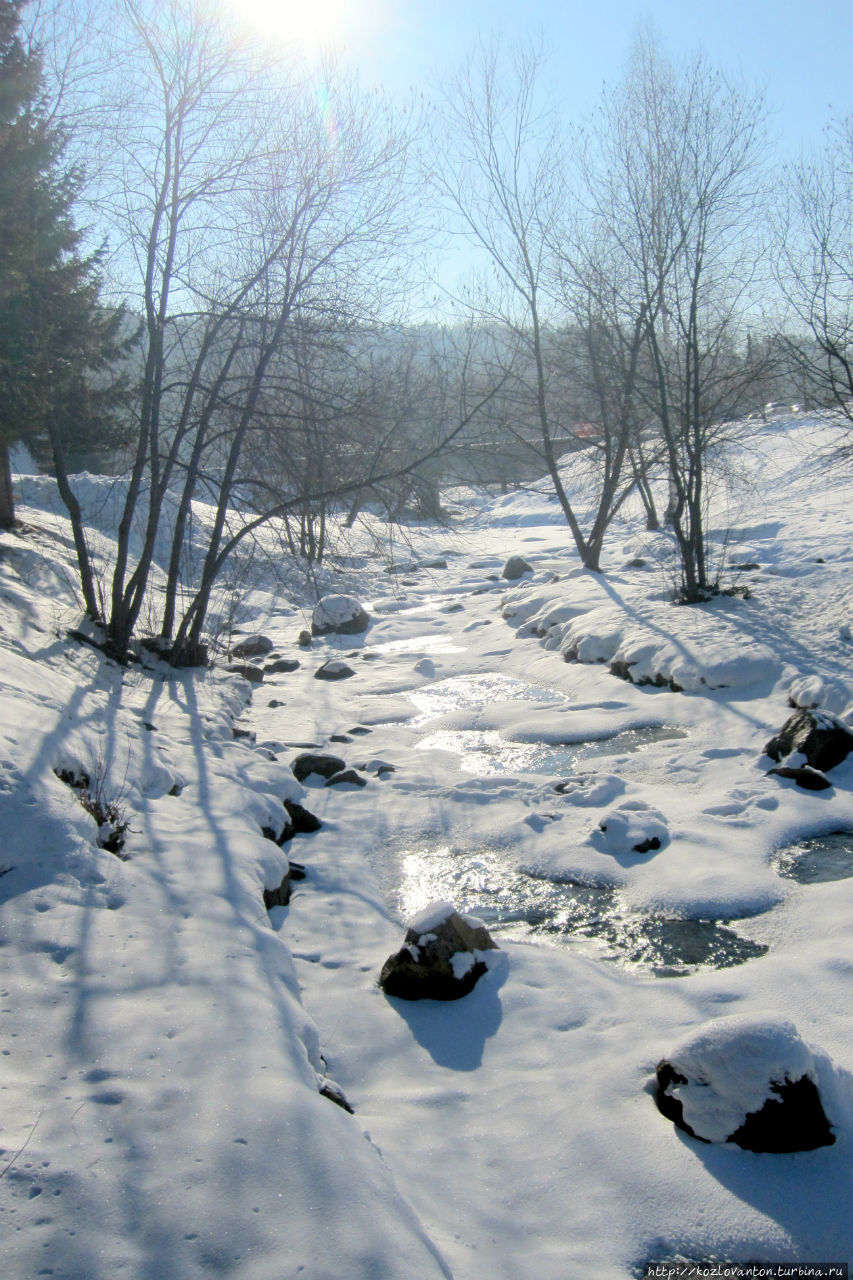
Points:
[[164, 1038]]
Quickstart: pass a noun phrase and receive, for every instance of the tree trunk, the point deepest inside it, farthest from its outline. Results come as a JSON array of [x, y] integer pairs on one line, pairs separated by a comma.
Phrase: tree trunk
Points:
[[7, 498]]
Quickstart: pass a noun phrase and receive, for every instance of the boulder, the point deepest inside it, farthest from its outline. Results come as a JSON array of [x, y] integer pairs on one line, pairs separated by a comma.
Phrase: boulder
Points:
[[302, 821], [245, 669], [749, 1081], [346, 775], [808, 779], [342, 615], [444, 954], [516, 567], [334, 669], [281, 665], [280, 895], [309, 762], [820, 737], [252, 647]]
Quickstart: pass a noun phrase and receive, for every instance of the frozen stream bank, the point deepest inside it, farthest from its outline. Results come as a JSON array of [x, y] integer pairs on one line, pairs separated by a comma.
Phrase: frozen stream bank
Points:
[[519, 1123]]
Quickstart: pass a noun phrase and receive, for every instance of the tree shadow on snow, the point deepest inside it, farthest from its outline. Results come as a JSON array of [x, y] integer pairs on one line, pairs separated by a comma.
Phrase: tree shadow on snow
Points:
[[454, 1032]]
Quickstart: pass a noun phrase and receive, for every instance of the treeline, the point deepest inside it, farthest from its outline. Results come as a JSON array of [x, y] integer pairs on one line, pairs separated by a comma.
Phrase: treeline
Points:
[[245, 329]]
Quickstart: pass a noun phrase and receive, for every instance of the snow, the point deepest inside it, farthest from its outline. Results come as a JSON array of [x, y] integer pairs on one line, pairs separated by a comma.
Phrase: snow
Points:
[[431, 917], [730, 1066], [163, 1038]]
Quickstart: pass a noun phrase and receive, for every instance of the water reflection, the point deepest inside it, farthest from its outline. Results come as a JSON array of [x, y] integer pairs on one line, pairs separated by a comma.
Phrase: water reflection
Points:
[[818, 860], [484, 752], [564, 912], [462, 692]]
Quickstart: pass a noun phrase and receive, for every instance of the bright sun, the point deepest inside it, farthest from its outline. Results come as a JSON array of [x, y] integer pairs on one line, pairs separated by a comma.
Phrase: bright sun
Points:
[[303, 21]]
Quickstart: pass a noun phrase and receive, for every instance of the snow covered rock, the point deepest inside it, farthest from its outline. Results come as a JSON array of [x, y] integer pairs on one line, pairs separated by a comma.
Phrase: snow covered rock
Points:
[[632, 827], [350, 776], [301, 820], [252, 647], [750, 1081], [280, 666], [516, 567], [245, 669], [335, 669], [820, 737], [308, 762], [443, 956], [808, 692], [805, 777], [340, 614]]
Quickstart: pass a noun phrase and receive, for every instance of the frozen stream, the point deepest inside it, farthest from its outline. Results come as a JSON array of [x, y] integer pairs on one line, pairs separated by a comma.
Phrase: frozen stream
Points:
[[487, 882]]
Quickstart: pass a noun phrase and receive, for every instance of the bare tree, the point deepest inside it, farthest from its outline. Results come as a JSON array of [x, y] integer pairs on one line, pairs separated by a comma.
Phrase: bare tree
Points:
[[680, 153], [815, 271], [500, 170]]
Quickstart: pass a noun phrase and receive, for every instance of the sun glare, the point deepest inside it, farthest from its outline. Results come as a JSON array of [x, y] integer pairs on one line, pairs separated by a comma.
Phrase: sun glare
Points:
[[306, 22]]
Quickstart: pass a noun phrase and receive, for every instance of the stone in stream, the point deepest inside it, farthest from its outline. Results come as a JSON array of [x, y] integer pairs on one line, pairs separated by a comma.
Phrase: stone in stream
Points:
[[252, 647], [341, 615], [444, 954], [310, 762], [334, 669], [808, 779], [281, 666], [245, 669], [516, 567], [822, 738], [747, 1080], [632, 827]]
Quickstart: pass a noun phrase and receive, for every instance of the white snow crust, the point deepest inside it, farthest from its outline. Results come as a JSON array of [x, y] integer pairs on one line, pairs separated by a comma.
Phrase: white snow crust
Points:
[[163, 1038], [730, 1065]]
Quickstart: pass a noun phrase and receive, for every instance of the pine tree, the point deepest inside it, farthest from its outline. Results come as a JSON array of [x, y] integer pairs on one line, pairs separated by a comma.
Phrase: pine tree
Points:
[[57, 343]]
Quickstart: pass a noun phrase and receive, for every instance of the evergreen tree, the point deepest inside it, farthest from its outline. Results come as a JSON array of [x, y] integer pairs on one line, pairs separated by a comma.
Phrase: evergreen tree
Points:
[[57, 343]]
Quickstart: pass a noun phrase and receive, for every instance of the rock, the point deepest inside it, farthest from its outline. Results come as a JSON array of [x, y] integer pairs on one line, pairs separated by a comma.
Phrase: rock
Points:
[[346, 775], [819, 736], [281, 665], [280, 896], [252, 647], [377, 767], [750, 1081], [632, 827], [304, 640], [329, 1089], [443, 956], [253, 674], [516, 567], [276, 702], [809, 779], [302, 822], [309, 762], [342, 615], [334, 669]]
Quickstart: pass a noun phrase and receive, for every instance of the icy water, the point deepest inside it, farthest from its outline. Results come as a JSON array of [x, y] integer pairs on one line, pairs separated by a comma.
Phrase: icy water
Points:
[[565, 912], [818, 860], [462, 692], [562, 911], [486, 753]]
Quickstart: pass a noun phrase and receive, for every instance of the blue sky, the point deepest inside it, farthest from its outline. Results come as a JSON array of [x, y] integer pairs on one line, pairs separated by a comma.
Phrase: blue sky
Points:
[[801, 53]]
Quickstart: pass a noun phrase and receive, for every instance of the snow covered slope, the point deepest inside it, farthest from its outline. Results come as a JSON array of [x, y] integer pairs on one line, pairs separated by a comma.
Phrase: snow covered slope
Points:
[[163, 1038]]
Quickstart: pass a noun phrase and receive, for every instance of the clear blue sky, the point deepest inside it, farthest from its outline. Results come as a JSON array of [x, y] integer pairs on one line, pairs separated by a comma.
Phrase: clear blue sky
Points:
[[801, 53]]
